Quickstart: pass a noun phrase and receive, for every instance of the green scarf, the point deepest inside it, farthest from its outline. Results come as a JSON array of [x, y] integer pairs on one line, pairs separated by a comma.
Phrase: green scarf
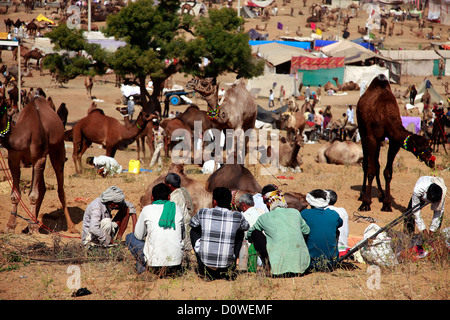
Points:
[[167, 219]]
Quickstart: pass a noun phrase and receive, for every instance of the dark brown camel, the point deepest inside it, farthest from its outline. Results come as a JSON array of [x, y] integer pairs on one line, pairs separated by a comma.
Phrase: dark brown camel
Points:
[[37, 132], [237, 177], [63, 113], [200, 197], [96, 127], [378, 118]]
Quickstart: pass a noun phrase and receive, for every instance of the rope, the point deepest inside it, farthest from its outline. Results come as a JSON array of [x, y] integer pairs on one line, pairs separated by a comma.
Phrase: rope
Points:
[[16, 192]]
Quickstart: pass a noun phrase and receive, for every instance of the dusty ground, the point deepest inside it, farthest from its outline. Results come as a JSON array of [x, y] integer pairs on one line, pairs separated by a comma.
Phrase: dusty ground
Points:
[[22, 279]]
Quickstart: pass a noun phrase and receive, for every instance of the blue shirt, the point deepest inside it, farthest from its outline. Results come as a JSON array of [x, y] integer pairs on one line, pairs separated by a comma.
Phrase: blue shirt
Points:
[[323, 224]]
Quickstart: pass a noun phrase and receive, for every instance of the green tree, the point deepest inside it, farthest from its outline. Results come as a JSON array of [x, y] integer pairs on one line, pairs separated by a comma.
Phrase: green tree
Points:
[[162, 42], [70, 63]]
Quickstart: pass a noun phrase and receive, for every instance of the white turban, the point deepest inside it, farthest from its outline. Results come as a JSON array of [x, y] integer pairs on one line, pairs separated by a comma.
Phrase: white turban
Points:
[[318, 202], [112, 194]]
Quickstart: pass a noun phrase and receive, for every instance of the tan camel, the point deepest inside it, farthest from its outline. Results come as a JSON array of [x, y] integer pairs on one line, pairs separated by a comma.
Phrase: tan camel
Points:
[[347, 86], [37, 132], [340, 152], [88, 84], [96, 127], [288, 154], [238, 108], [295, 124], [329, 86]]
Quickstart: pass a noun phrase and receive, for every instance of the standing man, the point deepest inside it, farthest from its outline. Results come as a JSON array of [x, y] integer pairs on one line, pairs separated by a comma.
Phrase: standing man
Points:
[[271, 99], [157, 241], [430, 189], [350, 114], [158, 142], [166, 106], [217, 236], [99, 227], [130, 107]]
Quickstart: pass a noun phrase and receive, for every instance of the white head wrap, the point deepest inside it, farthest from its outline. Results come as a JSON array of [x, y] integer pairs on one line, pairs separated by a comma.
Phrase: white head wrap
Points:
[[317, 202], [112, 194]]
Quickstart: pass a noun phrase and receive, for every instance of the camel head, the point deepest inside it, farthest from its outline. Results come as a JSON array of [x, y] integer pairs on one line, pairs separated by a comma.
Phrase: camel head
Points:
[[421, 148], [205, 87]]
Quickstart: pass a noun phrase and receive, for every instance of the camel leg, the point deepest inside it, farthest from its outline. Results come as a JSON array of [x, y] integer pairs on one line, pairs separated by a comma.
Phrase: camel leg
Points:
[[14, 167], [143, 147], [57, 160], [387, 199], [78, 154], [371, 169], [37, 192]]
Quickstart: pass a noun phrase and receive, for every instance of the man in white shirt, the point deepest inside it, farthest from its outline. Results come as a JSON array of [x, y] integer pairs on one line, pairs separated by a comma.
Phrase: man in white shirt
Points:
[[158, 239], [430, 189], [350, 114], [344, 231], [106, 166]]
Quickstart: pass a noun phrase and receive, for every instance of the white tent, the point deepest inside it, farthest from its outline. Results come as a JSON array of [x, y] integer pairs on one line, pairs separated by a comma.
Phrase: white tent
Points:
[[413, 62]]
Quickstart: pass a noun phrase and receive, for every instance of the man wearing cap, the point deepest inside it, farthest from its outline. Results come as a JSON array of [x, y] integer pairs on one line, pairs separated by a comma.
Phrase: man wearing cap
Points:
[[323, 223], [430, 189], [99, 227]]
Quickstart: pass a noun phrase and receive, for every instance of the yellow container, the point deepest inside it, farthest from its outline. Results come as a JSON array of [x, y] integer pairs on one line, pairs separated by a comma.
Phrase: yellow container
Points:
[[134, 166]]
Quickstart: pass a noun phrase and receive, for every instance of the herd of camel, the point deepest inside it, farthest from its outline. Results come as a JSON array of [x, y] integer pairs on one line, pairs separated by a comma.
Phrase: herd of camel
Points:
[[38, 131]]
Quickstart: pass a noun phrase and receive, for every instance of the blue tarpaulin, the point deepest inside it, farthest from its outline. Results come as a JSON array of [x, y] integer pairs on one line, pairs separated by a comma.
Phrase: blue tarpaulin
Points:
[[298, 44]]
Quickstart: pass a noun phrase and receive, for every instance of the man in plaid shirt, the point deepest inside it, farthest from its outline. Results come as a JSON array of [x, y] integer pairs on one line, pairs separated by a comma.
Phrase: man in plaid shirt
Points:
[[217, 236]]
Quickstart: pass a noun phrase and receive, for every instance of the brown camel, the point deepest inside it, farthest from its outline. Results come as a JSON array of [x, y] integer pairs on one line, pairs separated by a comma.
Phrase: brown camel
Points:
[[289, 158], [188, 8], [340, 152], [140, 138], [176, 132], [107, 131], [295, 124], [331, 86], [33, 54], [37, 132], [347, 86], [383, 24], [378, 118], [88, 84], [200, 197], [63, 113], [238, 178]]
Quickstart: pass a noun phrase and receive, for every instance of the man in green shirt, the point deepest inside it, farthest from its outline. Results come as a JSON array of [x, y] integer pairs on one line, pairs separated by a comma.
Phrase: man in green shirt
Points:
[[282, 245]]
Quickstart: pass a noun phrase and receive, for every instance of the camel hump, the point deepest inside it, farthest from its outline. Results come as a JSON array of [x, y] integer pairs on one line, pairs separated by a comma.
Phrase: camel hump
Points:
[[97, 110]]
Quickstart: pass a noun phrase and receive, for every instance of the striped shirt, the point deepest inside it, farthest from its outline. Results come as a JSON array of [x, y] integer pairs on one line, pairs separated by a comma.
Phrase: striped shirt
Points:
[[219, 227]]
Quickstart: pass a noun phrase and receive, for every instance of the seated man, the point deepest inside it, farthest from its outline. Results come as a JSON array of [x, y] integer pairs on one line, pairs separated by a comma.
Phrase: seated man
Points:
[[430, 189], [98, 226], [158, 239], [282, 245], [217, 235], [323, 223], [344, 230]]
